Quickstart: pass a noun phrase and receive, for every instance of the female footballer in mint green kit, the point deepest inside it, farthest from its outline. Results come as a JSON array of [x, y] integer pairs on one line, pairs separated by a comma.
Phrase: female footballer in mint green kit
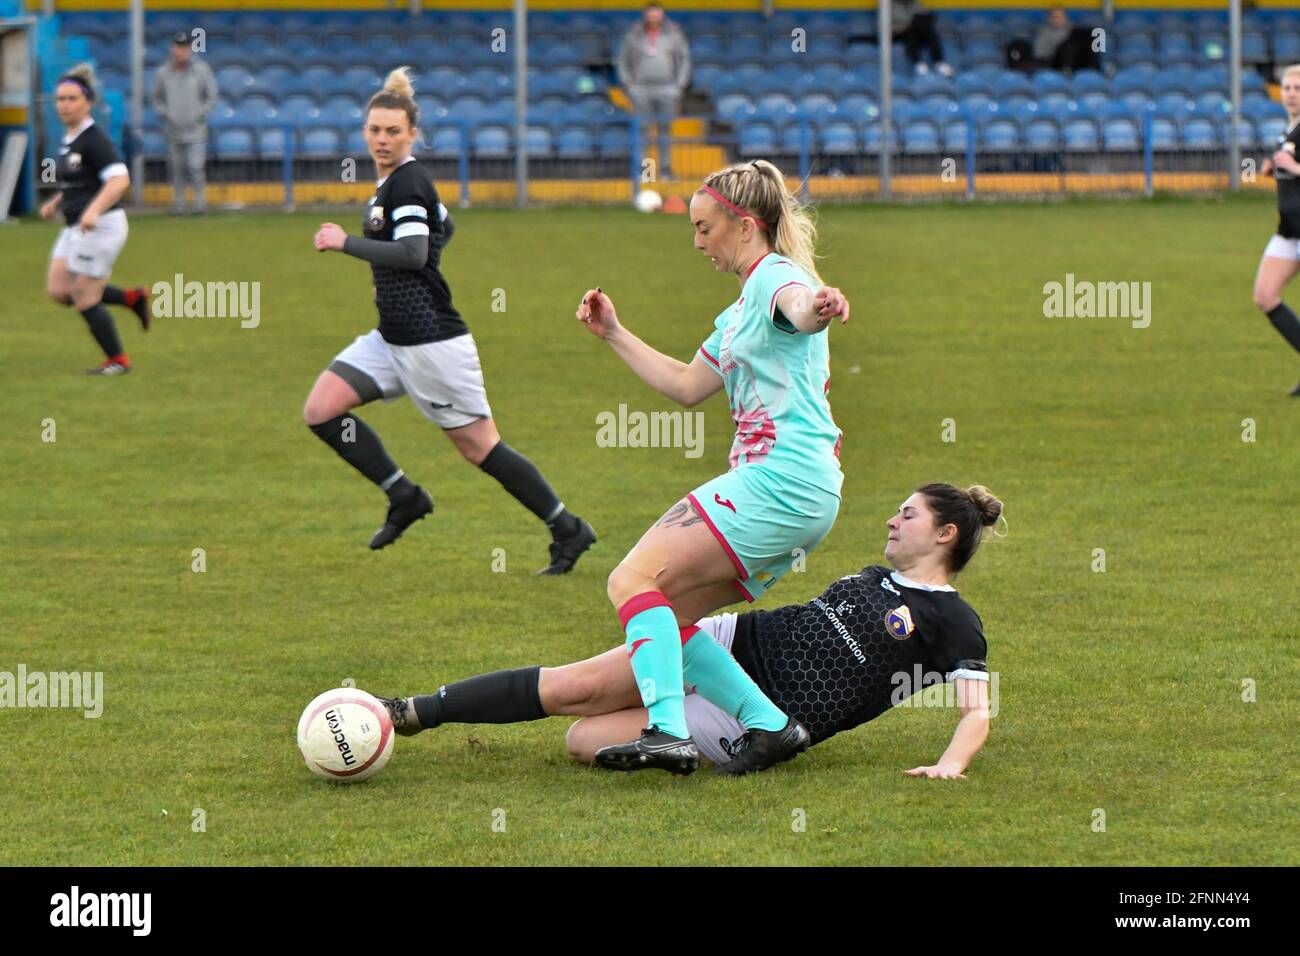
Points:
[[736, 535]]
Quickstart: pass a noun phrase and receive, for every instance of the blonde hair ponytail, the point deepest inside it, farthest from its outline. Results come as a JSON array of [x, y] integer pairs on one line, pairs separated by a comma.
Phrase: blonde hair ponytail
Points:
[[759, 188]]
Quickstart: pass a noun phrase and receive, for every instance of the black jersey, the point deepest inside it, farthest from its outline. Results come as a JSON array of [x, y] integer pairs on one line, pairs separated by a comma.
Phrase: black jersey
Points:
[[1288, 188], [866, 644], [414, 305], [84, 164]]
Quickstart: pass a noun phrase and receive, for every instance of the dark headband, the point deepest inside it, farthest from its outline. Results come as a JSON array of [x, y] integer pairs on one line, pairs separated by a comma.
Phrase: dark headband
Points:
[[85, 87]]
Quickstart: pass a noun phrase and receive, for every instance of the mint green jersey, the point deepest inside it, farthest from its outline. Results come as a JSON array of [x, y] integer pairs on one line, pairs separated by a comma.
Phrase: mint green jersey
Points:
[[776, 379]]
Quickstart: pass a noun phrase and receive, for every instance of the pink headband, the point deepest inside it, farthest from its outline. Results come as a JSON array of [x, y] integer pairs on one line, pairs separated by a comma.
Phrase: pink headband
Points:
[[733, 207]]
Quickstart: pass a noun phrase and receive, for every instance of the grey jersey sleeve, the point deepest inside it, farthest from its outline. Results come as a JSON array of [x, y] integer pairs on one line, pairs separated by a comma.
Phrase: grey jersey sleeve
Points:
[[409, 252]]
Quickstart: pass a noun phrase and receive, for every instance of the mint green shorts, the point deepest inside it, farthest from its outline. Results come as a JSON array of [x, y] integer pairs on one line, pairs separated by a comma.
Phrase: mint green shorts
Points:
[[765, 520]]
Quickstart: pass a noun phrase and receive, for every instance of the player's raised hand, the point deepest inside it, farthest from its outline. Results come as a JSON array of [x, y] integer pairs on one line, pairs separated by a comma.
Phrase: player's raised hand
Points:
[[831, 302], [596, 312], [330, 236], [49, 208], [938, 771]]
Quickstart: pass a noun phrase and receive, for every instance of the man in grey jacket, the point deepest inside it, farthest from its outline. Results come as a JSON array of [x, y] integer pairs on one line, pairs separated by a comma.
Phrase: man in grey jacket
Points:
[[654, 66], [184, 93]]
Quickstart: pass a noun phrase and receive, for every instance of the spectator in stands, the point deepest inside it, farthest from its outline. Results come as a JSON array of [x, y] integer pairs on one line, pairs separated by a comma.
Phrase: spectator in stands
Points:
[[1058, 45], [184, 93], [914, 27], [654, 66], [1051, 36]]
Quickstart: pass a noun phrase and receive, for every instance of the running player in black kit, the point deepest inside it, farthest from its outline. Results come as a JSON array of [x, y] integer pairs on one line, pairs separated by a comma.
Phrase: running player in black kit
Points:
[[836, 662], [1281, 259], [422, 347], [92, 179]]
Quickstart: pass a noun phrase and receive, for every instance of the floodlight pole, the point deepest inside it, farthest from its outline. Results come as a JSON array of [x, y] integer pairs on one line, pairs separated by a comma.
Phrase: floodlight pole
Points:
[[884, 29], [521, 102], [1234, 82], [137, 102]]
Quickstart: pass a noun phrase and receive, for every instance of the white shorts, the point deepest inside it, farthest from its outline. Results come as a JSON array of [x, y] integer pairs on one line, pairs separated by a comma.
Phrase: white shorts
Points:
[[709, 724], [93, 252], [444, 379], [1279, 247]]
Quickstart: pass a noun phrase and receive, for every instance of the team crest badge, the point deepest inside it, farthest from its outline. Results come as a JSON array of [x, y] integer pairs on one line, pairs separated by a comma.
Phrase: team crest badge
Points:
[[899, 622], [74, 161], [376, 220]]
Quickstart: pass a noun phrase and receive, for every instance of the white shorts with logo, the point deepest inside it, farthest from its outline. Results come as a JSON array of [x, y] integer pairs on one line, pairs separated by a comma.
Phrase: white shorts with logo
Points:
[[444, 379], [93, 252], [1279, 247], [710, 725]]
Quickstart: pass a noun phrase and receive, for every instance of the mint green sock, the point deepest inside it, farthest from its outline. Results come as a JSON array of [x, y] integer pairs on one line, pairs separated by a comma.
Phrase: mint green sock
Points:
[[720, 680], [654, 648]]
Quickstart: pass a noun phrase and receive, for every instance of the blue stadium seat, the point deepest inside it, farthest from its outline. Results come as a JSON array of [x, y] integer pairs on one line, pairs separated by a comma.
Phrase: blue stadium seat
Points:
[[1041, 134], [255, 110], [1121, 134], [757, 138], [1271, 130], [748, 47], [234, 144], [614, 140], [1286, 47], [813, 102], [956, 133], [1088, 81], [490, 141], [1213, 104], [858, 105], [1080, 135], [1164, 132], [734, 104], [1247, 135], [445, 140], [320, 142], [298, 108], [1049, 81], [839, 138], [873, 138], [575, 142], [539, 142], [920, 136], [1200, 133]]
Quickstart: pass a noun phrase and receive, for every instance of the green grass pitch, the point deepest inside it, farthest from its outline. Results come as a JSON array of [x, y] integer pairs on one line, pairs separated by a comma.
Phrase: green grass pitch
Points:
[[1120, 691]]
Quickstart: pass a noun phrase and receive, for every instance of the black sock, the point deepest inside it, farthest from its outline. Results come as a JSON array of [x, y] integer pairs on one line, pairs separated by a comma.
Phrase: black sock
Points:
[[1285, 321], [502, 697], [103, 329], [114, 295], [364, 452], [520, 477]]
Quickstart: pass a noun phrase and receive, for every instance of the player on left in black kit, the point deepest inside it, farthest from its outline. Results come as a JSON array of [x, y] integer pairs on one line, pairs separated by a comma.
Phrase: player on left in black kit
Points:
[[422, 348], [92, 180]]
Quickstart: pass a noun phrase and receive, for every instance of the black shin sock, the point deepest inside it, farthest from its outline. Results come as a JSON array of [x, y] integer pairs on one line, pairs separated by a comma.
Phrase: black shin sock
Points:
[[1285, 321], [114, 295], [502, 697], [103, 329], [520, 477], [358, 445]]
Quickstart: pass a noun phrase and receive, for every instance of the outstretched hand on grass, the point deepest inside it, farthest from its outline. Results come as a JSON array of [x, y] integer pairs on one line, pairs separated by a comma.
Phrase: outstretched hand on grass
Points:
[[939, 771]]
